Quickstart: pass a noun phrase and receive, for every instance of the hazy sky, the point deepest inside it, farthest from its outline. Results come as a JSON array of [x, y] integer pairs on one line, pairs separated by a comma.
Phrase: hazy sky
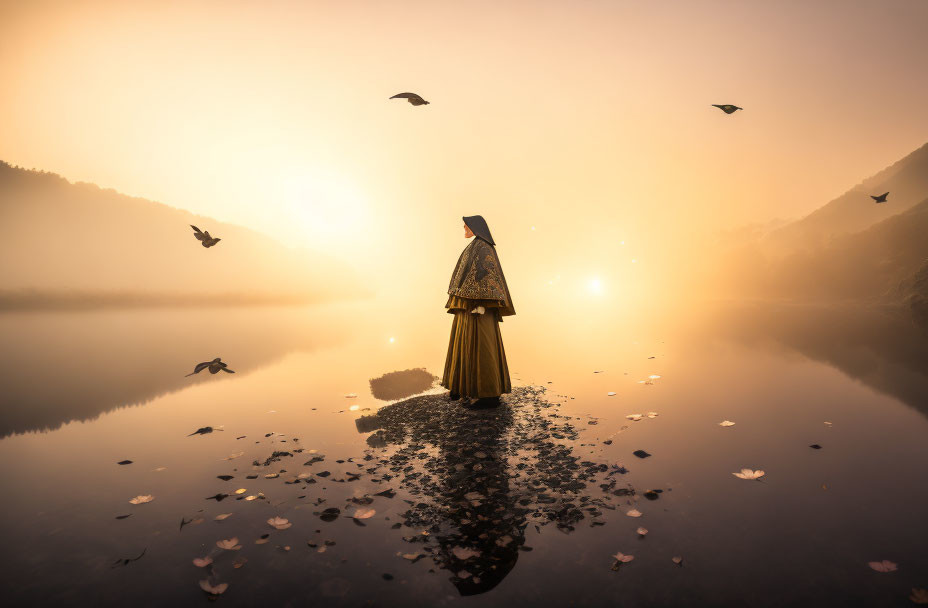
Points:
[[590, 121]]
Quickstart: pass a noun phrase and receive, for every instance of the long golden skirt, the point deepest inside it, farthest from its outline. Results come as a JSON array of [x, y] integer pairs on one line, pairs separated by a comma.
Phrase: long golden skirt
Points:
[[476, 363]]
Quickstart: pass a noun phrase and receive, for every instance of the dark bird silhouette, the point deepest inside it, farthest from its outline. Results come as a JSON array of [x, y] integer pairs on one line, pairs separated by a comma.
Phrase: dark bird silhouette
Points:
[[881, 198], [201, 431], [412, 98], [726, 107], [214, 367], [205, 239]]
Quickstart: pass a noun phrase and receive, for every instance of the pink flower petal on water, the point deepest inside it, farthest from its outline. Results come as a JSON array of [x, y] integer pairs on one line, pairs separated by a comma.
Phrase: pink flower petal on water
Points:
[[213, 589], [229, 544], [621, 557], [884, 566]]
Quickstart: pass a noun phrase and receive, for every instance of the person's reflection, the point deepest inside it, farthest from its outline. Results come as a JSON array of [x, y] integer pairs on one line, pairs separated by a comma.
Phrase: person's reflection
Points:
[[476, 527], [474, 506]]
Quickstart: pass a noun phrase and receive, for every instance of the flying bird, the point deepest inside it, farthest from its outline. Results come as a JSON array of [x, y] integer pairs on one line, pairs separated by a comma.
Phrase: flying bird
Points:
[[214, 366], [881, 198], [412, 98], [726, 107], [205, 239]]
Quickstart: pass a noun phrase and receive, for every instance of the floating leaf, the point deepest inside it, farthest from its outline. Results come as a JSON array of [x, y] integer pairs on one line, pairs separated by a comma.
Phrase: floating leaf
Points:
[[234, 456], [642, 531], [241, 490], [330, 514], [159, 469], [677, 560], [238, 562], [652, 414], [635, 417], [815, 446], [633, 513], [364, 513], [222, 516], [640, 453], [140, 500], [272, 475], [622, 558], [351, 396], [127, 560], [279, 522], [726, 423], [202, 562], [463, 553], [884, 566], [610, 394], [354, 408], [230, 544], [264, 538], [749, 474], [124, 462], [213, 589], [919, 596]]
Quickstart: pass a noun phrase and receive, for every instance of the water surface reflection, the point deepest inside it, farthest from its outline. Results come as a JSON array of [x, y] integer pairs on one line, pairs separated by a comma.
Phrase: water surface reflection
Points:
[[521, 505], [882, 348], [481, 476], [60, 367]]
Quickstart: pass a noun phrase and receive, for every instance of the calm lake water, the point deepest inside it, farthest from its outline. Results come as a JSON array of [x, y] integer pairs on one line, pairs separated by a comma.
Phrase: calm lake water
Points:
[[522, 506]]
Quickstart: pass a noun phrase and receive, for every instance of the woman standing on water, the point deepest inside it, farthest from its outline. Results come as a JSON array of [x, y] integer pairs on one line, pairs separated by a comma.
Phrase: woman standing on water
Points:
[[478, 297]]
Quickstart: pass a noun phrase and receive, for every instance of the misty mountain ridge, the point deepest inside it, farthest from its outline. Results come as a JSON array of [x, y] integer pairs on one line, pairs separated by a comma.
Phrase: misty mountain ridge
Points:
[[850, 250], [906, 181], [78, 245]]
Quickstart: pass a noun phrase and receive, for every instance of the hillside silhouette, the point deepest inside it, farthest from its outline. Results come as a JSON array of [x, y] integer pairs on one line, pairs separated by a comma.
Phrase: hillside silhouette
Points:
[[75, 245], [849, 250], [906, 181]]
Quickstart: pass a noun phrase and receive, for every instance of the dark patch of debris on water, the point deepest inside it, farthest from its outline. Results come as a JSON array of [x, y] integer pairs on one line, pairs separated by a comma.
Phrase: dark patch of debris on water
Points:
[[474, 480]]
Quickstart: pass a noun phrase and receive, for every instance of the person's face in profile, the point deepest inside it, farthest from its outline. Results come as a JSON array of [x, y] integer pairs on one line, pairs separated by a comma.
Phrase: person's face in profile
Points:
[[467, 232]]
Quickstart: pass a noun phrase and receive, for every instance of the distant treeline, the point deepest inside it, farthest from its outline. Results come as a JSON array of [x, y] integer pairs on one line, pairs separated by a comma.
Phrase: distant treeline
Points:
[[75, 246], [31, 299]]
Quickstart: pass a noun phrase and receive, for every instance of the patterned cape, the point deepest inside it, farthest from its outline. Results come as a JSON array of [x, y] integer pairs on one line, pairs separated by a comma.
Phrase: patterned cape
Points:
[[479, 276]]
